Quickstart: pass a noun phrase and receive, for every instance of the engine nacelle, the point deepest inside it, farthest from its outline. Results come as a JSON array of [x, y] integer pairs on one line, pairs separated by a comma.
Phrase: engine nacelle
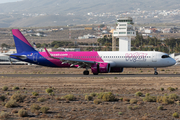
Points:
[[117, 69], [100, 68]]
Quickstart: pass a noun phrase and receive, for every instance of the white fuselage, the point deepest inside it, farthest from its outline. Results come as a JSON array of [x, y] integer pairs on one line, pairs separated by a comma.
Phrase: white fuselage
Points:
[[146, 59]]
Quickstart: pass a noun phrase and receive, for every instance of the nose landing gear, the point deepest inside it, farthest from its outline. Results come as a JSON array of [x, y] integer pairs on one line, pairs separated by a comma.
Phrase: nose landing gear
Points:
[[155, 71], [86, 72]]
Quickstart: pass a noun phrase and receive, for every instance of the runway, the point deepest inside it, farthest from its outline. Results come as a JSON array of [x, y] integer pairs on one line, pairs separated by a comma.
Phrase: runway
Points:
[[79, 75]]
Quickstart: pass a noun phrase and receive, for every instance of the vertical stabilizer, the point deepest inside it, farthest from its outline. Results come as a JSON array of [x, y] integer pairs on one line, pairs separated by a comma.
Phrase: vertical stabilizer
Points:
[[22, 45]]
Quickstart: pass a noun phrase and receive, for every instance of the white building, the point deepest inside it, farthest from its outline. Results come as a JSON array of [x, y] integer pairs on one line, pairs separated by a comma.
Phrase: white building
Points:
[[124, 31], [88, 36], [166, 30], [148, 31]]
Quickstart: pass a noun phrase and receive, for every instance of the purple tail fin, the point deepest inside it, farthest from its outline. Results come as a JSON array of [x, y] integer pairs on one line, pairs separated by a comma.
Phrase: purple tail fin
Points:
[[22, 45]]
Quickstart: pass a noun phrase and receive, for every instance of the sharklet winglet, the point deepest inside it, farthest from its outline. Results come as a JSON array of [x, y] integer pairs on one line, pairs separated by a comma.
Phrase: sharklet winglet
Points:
[[49, 55], [48, 52]]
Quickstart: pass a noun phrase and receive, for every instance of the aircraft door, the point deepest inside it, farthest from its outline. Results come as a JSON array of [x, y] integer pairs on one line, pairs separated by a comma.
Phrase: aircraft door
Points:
[[154, 57], [35, 55]]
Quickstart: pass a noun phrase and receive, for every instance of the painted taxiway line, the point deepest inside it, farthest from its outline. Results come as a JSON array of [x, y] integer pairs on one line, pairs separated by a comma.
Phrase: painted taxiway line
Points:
[[79, 75]]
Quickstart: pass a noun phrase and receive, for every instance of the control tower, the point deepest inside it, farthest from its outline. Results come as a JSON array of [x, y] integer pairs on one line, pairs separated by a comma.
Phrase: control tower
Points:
[[124, 31]]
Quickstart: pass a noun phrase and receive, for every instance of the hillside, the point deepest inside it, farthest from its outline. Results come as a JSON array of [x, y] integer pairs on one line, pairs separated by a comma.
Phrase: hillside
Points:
[[84, 6], [40, 13]]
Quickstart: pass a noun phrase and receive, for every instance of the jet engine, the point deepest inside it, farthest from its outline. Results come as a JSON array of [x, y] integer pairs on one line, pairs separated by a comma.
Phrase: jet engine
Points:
[[100, 68]]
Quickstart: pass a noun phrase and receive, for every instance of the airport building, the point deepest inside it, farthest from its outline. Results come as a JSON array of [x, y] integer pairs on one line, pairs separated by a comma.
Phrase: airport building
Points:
[[124, 31]]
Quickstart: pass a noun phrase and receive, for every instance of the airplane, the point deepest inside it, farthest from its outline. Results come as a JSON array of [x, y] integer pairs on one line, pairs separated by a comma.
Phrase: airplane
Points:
[[97, 61]]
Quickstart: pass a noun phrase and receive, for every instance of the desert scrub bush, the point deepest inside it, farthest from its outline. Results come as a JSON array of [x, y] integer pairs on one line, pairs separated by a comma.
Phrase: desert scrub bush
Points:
[[164, 99], [5, 88], [162, 89], [34, 108], [49, 90], [108, 97], [15, 88], [121, 99], [130, 107], [120, 113], [2, 98], [138, 93], [70, 97], [35, 94], [171, 89], [135, 107], [41, 99], [4, 115], [18, 97], [25, 92], [88, 97], [22, 113], [44, 109], [147, 94], [100, 95], [149, 99], [52, 94], [176, 115], [160, 108], [133, 101], [97, 101], [11, 104], [173, 96], [93, 94]]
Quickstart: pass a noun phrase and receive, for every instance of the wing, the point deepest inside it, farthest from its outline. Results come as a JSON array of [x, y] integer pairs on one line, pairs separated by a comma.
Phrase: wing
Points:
[[73, 62]]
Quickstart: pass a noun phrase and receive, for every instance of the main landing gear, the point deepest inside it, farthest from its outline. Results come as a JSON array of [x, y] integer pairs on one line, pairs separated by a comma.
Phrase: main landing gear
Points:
[[155, 71], [86, 72]]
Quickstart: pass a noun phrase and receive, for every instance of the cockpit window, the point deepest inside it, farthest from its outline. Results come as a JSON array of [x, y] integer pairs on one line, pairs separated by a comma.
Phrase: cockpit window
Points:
[[165, 56]]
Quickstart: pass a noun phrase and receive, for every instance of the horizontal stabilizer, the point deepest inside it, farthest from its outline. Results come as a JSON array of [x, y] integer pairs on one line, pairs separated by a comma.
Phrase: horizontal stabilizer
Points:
[[18, 56]]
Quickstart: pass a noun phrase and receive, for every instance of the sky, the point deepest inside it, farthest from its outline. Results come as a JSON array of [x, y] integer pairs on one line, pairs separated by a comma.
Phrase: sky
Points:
[[5, 1]]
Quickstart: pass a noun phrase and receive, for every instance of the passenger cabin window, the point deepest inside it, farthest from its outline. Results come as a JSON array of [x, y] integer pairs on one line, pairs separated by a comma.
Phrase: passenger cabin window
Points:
[[165, 56]]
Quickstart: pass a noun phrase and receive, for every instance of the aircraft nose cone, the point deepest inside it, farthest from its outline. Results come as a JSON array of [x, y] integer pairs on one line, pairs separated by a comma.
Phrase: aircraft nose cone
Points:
[[173, 62]]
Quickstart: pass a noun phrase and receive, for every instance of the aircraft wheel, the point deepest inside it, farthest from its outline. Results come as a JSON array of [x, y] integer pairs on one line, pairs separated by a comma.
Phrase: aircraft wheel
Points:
[[86, 72], [155, 73]]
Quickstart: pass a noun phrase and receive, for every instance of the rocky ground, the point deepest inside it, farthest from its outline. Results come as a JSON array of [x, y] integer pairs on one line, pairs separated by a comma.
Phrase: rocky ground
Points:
[[116, 95]]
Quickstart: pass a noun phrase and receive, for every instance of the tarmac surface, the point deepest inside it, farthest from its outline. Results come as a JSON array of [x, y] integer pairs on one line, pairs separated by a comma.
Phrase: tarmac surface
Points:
[[79, 75]]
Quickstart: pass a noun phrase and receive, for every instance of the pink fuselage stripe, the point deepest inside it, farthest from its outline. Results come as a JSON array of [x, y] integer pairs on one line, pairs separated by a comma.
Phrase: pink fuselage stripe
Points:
[[87, 56], [19, 35]]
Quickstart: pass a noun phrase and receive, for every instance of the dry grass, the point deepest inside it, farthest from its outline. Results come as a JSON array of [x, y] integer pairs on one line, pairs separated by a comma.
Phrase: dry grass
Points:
[[121, 87]]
